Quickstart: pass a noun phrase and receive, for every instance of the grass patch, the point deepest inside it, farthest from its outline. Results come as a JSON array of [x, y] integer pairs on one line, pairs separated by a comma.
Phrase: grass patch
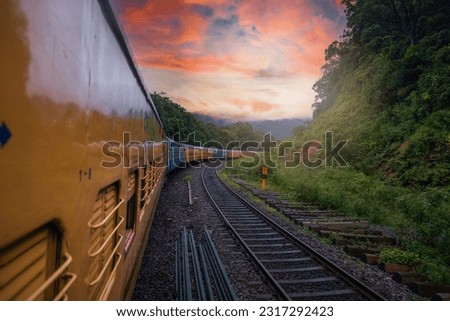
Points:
[[398, 256], [187, 177]]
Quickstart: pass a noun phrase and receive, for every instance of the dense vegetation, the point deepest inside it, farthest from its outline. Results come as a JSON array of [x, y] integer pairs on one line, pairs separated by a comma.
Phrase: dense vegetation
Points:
[[386, 89], [183, 126]]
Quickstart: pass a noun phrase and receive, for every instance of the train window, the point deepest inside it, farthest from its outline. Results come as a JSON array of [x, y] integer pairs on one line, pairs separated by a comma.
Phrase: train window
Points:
[[160, 166], [157, 172], [26, 265], [132, 204], [105, 240], [152, 176], [145, 186]]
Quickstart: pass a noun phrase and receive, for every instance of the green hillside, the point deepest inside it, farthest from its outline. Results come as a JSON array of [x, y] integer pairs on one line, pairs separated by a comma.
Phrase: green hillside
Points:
[[386, 89]]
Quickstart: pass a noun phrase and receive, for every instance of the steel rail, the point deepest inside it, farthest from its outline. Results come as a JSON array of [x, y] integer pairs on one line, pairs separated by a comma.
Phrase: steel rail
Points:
[[355, 283], [277, 287]]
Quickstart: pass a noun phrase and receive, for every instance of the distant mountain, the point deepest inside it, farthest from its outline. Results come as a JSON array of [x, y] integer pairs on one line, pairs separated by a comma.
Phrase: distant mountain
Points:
[[211, 120], [280, 129]]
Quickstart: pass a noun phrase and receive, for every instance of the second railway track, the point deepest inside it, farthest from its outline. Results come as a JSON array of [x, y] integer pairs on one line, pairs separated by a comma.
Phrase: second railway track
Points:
[[293, 269]]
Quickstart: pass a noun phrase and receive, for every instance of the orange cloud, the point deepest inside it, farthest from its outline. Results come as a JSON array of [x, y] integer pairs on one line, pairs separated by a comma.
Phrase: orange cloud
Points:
[[271, 38], [339, 5], [166, 34], [297, 28], [314, 41], [210, 50], [262, 106], [164, 22], [257, 106], [275, 19]]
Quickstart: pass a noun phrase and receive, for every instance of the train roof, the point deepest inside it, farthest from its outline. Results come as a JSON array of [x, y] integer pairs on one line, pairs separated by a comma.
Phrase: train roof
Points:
[[116, 28]]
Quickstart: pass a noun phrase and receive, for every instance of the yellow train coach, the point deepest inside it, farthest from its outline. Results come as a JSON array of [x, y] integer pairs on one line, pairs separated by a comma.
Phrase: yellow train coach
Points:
[[78, 190], [198, 154]]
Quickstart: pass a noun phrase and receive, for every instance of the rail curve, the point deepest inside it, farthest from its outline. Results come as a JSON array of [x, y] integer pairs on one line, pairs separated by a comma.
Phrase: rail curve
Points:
[[293, 269]]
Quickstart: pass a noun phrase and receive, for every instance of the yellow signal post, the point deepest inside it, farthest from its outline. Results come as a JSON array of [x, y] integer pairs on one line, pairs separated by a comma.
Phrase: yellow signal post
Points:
[[264, 172]]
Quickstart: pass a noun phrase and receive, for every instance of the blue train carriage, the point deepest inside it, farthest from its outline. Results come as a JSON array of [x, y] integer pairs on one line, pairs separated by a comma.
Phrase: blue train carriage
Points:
[[219, 153], [180, 154], [79, 187], [177, 158]]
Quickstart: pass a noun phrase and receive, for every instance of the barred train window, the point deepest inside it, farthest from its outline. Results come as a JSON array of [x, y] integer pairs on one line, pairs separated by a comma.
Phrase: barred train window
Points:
[[145, 186], [26, 265], [131, 208], [105, 238]]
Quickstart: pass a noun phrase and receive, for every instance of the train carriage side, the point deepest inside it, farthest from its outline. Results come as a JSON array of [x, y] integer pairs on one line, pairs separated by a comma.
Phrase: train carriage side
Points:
[[197, 154], [79, 186], [180, 154], [176, 157], [233, 154], [219, 154]]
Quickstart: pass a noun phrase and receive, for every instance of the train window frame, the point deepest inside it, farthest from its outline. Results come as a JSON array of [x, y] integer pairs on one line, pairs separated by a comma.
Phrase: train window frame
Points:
[[132, 209], [144, 190], [104, 259], [52, 236], [54, 259]]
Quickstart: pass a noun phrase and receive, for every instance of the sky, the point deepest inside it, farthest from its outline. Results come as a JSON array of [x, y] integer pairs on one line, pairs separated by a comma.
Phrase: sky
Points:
[[242, 60]]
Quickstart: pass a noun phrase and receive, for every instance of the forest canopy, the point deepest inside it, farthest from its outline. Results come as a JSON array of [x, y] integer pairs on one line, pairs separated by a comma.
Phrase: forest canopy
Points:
[[385, 88]]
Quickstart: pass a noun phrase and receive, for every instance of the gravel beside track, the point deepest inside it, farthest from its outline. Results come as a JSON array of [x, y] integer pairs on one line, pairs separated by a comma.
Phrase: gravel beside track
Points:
[[156, 279]]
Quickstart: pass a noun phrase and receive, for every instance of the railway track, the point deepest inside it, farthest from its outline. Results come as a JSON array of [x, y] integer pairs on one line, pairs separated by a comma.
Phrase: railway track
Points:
[[357, 237], [293, 269]]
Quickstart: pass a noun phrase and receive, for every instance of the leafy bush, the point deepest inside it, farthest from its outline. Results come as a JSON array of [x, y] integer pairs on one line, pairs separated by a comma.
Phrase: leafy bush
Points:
[[395, 255]]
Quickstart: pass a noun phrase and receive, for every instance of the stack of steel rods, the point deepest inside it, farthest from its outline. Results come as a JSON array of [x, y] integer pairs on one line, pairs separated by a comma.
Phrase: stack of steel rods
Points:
[[209, 280]]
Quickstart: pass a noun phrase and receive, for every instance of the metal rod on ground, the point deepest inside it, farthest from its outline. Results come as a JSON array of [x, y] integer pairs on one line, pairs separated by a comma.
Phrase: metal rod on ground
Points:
[[177, 270], [230, 294], [190, 193], [197, 269], [201, 254], [186, 272], [215, 273]]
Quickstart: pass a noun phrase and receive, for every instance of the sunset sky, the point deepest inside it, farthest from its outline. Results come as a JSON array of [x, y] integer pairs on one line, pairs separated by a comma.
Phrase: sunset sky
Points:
[[236, 59]]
